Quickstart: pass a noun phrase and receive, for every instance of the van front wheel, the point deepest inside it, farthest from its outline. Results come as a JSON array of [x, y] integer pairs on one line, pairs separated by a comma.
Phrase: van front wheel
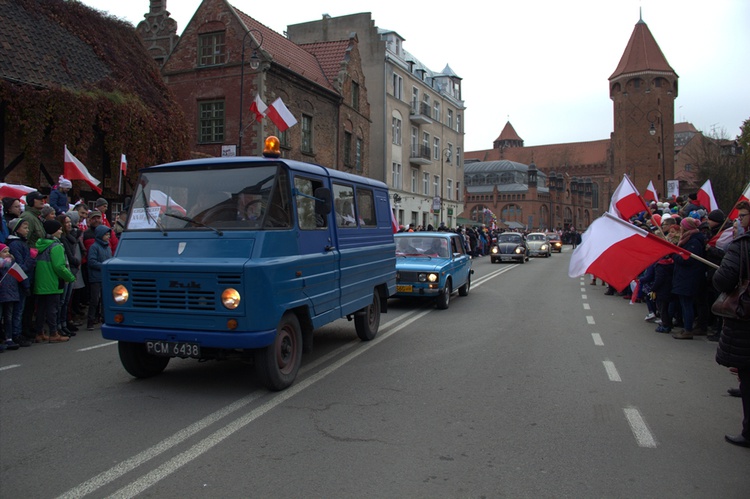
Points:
[[139, 363], [278, 363], [367, 320]]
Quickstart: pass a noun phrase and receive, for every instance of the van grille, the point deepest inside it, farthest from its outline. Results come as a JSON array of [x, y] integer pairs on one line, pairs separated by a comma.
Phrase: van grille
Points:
[[159, 293]]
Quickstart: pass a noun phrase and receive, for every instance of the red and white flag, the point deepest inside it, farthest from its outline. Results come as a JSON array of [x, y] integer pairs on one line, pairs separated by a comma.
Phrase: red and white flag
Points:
[[394, 222], [626, 201], [650, 194], [123, 164], [17, 272], [616, 251], [15, 191], [745, 196], [280, 115], [706, 196], [74, 170], [258, 107]]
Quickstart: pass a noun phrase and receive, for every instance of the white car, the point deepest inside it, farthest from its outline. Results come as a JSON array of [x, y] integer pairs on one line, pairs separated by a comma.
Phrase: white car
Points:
[[538, 244]]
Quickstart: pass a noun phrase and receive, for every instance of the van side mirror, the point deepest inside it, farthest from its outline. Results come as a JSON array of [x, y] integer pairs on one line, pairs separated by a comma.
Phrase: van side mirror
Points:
[[323, 201]]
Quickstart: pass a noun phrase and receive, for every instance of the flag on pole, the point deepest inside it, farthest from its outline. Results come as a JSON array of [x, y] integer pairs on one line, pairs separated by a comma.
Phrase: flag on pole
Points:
[[626, 201], [17, 272], [706, 196], [280, 115], [616, 251], [394, 222], [74, 170], [745, 196], [650, 194], [258, 107], [123, 164], [15, 191]]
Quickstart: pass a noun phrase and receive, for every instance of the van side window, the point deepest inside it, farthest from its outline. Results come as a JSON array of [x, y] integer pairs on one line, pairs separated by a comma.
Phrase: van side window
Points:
[[366, 208], [343, 202], [305, 200]]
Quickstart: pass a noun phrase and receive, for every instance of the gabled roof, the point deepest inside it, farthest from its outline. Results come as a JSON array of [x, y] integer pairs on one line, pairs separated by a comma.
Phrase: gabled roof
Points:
[[642, 54], [330, 56], [508, 133], [685, 127], [288, 54]]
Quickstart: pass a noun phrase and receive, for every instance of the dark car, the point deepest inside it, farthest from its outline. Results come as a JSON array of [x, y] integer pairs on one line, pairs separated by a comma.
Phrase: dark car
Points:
[[510, 246], [555, 242]]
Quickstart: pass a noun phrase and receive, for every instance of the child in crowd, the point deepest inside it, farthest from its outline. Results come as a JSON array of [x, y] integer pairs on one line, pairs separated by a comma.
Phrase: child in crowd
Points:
[[9, 297]]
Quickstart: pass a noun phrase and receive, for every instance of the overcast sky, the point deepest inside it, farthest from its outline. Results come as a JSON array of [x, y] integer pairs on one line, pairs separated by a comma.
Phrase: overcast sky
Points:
[[544, 65]]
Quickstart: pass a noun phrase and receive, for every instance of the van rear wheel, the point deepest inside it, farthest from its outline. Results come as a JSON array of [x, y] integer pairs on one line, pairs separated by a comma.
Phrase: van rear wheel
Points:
[[278, 363], [367, 320], [139, 363]]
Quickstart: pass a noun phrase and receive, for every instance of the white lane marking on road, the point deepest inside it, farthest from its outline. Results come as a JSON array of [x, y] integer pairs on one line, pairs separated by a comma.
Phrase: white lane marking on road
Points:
[[640, 430], [5, 368], [583, 290], [108, 344], [597, 339], [609, 366], [590, 319], [584, 297], [586, 306]]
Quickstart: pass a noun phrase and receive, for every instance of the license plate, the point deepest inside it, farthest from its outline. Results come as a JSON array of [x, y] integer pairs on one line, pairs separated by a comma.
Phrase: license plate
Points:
[[173, 349], [404, 288]]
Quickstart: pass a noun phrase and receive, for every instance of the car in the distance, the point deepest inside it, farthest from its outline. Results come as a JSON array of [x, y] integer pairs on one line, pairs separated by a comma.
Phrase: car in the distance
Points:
[[538, 244], [431, 264], [510, 246], [555, 242]]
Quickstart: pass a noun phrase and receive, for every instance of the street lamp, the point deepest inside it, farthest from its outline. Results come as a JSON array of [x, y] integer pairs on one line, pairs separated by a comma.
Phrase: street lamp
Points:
[[444, 154], [652, 131], [254, 64]]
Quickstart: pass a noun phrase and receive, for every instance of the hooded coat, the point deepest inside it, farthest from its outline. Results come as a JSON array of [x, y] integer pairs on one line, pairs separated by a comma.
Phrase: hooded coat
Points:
[[51, 267], [99, 252], [734, 340]]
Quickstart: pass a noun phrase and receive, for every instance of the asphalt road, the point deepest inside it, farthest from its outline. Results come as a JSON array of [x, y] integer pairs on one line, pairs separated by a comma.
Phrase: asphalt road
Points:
[[535, 385]]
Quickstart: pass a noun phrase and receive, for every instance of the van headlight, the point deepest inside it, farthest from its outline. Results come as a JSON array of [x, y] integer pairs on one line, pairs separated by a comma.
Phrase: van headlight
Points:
[[120, 294], [230, 298]]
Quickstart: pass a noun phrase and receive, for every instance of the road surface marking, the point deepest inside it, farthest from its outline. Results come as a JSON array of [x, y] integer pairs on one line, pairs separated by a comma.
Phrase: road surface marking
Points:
[[584, 297], [611, 370], [640, 430], [5, 368], [583, 290], [590, 319], [108, 344], [597, 339], [586, 306]]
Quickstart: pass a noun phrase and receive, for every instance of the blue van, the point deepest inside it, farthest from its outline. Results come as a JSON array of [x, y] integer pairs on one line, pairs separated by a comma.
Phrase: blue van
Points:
[[244, 257]]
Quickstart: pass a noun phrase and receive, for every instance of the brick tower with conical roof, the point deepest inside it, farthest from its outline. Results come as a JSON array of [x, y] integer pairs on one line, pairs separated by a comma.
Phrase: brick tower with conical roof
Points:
[[643, 89]]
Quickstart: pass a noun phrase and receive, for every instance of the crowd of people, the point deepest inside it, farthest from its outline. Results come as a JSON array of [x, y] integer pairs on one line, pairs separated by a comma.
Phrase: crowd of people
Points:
[[679, 292], [50, 269]]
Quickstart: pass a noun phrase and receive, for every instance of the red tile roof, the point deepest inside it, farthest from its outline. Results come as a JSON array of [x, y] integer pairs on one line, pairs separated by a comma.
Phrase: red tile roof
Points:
[[550, 156], [508, 133], [641, 54], [329, 55]]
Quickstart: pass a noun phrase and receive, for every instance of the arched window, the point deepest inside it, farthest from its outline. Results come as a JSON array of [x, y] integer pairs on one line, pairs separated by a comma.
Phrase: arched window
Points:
[[477, 213], [511, 213]]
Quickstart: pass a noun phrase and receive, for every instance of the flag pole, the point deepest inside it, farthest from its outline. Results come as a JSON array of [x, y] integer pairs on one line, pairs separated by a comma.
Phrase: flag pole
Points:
[[703, 260], [726, 219]]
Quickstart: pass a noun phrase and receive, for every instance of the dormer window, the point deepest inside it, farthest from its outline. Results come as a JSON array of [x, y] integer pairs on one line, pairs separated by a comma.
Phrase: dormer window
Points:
[[211, 49]]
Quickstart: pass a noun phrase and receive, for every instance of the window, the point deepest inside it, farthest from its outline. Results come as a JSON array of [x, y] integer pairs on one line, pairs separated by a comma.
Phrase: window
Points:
[[458, 157], [366, 207], [458, 122], [396, 175], [458, 191], [284, 138], [426, 184], [450, 153], [398, 86], [307, 139], [414, 179], [436, 148], [436, 185], [358, 156], [436, 111], [306, 216], [211, 49], [347, 148], [211, 121], [414, 138], [396, 130], [415, 99], [426, 143], [450, 119], [343, 203], [355, 96], [449, 188]]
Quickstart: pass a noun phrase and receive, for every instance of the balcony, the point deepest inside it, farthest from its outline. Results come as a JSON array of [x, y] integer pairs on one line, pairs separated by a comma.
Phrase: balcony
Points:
[[420, 155], [420, 114]]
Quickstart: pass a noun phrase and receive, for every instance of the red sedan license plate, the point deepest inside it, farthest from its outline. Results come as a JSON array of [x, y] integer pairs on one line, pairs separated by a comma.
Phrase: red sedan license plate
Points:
[[173, 349]]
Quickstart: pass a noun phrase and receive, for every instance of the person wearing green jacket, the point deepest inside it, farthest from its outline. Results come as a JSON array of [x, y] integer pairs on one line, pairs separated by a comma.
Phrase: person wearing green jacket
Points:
[[50, 275], [34, 205]]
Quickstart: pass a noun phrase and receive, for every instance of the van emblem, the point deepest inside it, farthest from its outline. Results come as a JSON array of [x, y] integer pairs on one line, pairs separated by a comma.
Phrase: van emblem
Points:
[[181, 247]]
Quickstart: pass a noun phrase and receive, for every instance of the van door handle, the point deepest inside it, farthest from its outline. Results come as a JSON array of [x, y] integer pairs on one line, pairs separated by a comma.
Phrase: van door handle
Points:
[[329, 248]]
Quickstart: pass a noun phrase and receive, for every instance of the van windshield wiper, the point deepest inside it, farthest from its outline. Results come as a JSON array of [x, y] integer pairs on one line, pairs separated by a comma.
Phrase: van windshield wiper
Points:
[[193, 221]]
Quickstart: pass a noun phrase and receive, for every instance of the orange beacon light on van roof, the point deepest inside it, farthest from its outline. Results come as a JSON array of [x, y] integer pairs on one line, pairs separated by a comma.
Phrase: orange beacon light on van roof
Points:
[[272, 147]]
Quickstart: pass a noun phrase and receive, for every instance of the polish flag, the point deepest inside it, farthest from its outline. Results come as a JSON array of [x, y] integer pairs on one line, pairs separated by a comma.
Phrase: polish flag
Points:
[[280, 115], [258, 107], [650, 194], [74, 170], [394, 222], [123, 164], [17, 272], [626, 201], [706, 196], [745, 196], [15, 191], [616, 251]]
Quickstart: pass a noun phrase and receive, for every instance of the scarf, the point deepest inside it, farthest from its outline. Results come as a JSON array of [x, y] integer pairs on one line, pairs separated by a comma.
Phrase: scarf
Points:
[[686, 235]]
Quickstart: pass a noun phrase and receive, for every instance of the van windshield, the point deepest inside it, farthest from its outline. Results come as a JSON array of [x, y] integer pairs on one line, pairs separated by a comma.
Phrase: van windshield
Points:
[[230, 198]]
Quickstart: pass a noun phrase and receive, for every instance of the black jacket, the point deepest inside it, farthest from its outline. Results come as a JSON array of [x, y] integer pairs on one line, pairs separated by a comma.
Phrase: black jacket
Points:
[[734, 341]]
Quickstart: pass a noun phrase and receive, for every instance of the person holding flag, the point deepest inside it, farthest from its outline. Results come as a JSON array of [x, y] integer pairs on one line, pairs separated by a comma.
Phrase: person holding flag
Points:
[[21, 252], [9, 296]]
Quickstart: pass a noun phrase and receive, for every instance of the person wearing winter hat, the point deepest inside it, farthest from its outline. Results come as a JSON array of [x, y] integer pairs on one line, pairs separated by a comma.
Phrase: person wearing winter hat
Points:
[[22, 320], [101, 207], [58, 198], [99, 252], [34, 205], [51, 267], [689, 275], [47, 213]]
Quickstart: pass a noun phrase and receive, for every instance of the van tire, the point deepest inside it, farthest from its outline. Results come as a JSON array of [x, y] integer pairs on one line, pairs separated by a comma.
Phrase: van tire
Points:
[[139, 363], [367, 320], [277, 364], [464, 290], [444, 298]]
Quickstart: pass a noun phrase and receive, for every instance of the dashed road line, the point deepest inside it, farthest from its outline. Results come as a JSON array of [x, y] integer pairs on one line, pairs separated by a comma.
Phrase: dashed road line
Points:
[[586, 306], [590, 319], [640, 430], [597, 339], [609, 366]]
